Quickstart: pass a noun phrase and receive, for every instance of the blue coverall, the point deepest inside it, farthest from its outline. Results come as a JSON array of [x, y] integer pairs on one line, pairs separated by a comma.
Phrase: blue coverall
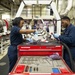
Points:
[[69, 38], [15, 39]]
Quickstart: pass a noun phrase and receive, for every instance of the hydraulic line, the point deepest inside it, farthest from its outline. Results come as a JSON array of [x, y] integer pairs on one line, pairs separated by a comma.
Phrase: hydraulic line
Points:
[[69, 53]]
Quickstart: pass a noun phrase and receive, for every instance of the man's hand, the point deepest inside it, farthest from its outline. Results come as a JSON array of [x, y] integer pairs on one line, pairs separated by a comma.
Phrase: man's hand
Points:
[[56, 35]]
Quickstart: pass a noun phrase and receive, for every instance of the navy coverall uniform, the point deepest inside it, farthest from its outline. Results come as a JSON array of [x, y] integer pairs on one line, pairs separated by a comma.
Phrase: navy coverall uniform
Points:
[[15, 39], [68, 37]]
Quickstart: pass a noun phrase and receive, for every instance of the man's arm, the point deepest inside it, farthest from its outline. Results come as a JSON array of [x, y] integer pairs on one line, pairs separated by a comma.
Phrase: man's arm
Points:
[[70, 38]]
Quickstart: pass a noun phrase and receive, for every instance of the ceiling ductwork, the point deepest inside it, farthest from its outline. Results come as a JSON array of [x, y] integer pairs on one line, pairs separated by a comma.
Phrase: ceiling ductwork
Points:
[[69, 6], [5, 5]]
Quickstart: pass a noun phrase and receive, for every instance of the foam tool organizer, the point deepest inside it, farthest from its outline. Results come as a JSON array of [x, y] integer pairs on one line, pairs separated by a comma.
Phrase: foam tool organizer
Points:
[[39, 59], [40, 65]]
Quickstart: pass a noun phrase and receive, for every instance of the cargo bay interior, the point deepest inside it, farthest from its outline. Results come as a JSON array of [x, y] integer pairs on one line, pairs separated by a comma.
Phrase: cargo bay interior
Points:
[[35, 55]]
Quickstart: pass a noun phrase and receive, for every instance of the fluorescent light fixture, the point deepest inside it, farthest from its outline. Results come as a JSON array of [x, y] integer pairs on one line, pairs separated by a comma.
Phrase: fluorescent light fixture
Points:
[[30, 2], [13, 0], [44, 1], [1, 9], [6, 16]]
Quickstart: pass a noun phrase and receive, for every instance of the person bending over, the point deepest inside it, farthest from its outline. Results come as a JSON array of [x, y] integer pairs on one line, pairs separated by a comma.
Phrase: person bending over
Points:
[[68, 37], [16, 39]]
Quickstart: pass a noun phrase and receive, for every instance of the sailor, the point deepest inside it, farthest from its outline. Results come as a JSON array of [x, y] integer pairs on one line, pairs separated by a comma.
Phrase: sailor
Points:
[[68, 37], [15, 40]]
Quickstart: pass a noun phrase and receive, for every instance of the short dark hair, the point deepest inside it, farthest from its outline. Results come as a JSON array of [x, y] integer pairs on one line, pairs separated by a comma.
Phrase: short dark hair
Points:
[[16, 21], [65, 18]]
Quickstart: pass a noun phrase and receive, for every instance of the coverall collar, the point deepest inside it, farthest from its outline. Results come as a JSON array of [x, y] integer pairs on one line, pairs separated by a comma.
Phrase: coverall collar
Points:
[[69, 26]]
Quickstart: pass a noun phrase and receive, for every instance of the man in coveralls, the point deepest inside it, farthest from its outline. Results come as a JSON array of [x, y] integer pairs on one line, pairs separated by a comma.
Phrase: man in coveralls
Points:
[[68, 37], [16, 39]]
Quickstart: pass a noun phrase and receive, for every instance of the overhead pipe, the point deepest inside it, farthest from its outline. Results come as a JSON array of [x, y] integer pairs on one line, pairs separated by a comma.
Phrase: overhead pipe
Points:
[[53, 6], [20, 9], [4, 5], [69, 6]]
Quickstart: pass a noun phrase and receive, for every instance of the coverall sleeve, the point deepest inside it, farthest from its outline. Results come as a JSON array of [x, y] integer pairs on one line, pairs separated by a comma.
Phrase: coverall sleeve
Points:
[[16, 30], [70, 38]]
